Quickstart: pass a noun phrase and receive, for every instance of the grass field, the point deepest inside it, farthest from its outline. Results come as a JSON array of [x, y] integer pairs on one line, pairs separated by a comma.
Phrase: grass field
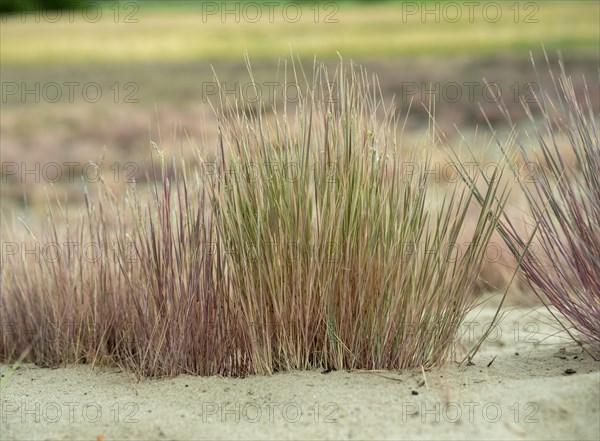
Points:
[[355, 30]]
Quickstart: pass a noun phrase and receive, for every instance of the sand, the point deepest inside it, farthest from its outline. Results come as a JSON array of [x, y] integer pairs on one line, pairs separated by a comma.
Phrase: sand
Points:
[[540, 385]]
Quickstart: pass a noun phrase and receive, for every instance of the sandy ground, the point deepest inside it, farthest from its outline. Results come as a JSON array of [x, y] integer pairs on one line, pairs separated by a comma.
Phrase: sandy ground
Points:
[[539, 386]]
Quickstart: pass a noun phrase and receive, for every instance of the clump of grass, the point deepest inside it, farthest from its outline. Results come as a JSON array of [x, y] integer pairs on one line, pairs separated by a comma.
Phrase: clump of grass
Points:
[[308, 247], [565, 204], [139, 286], [326, 234], [563, 199]]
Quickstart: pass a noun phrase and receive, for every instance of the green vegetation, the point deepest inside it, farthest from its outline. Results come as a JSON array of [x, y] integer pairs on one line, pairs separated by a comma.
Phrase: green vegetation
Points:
[[14, 6], [355, 30]]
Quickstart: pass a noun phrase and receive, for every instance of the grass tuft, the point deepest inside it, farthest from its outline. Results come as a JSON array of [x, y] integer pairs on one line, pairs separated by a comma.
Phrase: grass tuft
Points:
[[559, 255], [564, 200], [301, 250]]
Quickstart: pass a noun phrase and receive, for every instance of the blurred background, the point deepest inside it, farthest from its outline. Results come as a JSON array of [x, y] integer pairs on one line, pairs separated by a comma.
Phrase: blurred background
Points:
[[82, 79]]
